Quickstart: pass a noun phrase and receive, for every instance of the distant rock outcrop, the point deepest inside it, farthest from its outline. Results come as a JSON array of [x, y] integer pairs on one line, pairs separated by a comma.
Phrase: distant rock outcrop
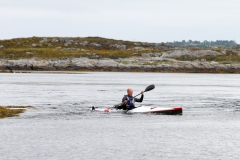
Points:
[[101, 54], [143, 64]]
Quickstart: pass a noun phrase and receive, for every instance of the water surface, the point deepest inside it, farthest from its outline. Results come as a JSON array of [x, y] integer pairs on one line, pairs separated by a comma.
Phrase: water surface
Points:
[[62, 127]]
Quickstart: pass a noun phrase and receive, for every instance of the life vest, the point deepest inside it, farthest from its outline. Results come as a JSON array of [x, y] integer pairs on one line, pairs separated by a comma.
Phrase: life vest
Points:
[[130, 102]]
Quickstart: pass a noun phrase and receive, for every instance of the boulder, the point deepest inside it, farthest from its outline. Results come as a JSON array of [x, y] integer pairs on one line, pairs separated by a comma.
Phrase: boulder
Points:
[[206, 53], [55, 40], [176, 53], [36, 45], [138, 48], [29, 52], [95, 45], [118, 46], [84, 43], [2, 47]]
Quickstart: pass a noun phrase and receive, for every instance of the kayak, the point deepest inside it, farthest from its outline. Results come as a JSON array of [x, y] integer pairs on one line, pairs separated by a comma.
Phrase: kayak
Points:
[[143, 109]]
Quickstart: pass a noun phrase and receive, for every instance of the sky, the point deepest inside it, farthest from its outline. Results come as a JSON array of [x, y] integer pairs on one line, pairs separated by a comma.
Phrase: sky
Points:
[[134, 20]]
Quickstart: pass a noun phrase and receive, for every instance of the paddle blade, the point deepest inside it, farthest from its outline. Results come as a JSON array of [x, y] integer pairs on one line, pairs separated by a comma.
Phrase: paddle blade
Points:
[[149, 88]]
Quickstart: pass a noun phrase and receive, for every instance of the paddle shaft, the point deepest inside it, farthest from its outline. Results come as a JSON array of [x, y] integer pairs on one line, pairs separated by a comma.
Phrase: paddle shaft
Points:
[[149, 88], [137, 95]]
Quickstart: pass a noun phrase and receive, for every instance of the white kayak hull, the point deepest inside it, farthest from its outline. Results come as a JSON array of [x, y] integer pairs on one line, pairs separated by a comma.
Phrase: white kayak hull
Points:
[[144, 109]]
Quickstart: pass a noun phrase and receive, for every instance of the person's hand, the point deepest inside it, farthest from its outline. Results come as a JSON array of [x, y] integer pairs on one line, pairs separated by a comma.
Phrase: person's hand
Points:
[[142, 92], [125, 102]]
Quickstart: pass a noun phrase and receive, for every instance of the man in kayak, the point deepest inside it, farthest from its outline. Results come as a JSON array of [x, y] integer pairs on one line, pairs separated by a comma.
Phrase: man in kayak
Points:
[[128, 101]]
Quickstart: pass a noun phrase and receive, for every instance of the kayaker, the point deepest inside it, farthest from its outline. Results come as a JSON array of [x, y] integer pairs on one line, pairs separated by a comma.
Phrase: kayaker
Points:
[[128, 101]]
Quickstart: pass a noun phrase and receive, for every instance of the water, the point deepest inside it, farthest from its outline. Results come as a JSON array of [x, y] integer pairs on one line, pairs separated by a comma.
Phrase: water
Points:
[[62, 127]]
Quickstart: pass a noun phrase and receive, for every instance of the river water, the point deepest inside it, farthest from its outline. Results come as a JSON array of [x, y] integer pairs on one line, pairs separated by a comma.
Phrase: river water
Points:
[[62, 127]]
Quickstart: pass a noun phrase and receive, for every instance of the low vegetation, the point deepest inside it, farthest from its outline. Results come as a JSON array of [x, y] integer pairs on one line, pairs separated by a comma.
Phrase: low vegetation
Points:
[[11, 111], [229, 57], [56, 47], [95, 48]]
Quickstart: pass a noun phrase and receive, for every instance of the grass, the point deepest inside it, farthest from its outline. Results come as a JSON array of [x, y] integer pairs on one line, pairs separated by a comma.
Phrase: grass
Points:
[[229, 58], [10, 112], [19, 48], [49, 53], [22, 48]]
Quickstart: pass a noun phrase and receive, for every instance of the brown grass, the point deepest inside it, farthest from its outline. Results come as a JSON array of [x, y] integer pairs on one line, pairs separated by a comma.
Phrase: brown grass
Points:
[[8, 112]]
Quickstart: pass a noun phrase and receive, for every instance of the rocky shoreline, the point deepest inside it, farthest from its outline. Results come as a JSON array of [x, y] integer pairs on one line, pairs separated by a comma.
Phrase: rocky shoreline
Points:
[[101, 54], [133, 64]]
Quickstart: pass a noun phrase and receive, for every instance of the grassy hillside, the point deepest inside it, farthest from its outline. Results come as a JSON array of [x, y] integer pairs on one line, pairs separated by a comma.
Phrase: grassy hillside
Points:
[[95, 47], [56, 47]]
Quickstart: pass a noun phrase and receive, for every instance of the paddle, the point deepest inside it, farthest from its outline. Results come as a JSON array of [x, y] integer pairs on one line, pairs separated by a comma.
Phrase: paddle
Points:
[[149, 88]]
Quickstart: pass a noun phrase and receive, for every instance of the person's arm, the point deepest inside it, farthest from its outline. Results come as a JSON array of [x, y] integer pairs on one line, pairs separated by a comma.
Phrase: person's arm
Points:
[[139, 100], [124, 98]]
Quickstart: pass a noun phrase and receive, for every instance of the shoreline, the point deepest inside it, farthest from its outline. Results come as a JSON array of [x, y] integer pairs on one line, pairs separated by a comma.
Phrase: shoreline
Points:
[[101, 71], [133, 64]]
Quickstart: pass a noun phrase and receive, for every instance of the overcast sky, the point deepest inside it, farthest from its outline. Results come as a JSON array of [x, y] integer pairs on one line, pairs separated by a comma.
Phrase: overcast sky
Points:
[[137, 20]]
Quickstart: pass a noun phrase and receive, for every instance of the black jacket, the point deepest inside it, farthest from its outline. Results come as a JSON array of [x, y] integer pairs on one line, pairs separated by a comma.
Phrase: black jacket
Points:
[[135, 99], [124, 106]]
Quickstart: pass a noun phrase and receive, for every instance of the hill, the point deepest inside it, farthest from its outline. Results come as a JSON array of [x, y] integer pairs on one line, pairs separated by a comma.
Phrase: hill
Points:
[[101, 54]]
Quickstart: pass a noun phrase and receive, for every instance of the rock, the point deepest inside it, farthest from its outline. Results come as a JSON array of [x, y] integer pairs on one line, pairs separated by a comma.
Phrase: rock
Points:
[[96, 45], [69, 41], [146, 55], [155, 54], [29, 52], [106, 63], [45, 39], [139, 48], [137, 44], [84, 43], [50, 45], [55, 40], [58, 48], [162, 46], [206, 53], [118, 46], [34, 45], [71, 49], [2, 47], [175, 54]]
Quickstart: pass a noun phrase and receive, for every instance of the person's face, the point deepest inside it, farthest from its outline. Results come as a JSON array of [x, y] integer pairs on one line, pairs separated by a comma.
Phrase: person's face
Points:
[[130, 92]]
